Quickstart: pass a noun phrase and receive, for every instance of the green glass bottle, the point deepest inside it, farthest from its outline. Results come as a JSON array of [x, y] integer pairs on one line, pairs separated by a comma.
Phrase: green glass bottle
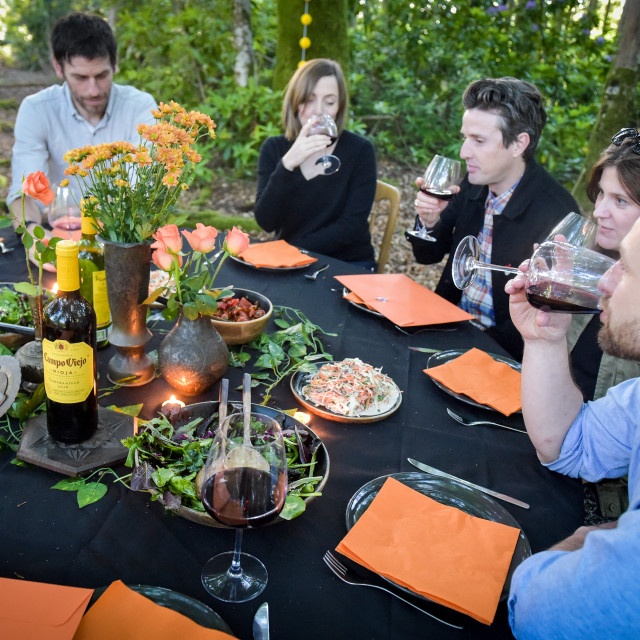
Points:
[[93, 283]]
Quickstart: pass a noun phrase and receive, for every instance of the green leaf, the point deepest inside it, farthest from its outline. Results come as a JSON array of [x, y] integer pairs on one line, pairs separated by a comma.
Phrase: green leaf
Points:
[[129, 410], [38, 232], [91, 492], [190, 311], [293, 507], [279, 322], [26, 287], [69, 484]]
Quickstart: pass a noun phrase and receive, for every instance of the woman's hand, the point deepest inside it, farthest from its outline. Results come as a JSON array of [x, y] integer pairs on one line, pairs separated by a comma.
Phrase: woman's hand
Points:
[[428, 207], [304, 147]]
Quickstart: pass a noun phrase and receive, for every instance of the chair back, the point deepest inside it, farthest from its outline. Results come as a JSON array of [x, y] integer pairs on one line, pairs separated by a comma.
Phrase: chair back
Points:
[[385, 191]]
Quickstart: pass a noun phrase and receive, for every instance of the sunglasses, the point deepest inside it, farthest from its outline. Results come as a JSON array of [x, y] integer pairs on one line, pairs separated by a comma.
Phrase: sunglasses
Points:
[[623, 134]]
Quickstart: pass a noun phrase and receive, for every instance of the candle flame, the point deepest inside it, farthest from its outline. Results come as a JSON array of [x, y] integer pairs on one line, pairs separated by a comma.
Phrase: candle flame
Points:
[[300, 416], [173, 400], [54, 289]]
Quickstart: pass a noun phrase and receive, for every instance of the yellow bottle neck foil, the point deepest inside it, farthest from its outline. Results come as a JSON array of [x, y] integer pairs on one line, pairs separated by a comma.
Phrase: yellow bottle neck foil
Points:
[[68, 272], [88, 227]]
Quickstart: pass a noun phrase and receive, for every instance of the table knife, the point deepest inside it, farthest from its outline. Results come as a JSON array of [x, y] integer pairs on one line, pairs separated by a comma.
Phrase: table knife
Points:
[[261, 622], [442, 474]]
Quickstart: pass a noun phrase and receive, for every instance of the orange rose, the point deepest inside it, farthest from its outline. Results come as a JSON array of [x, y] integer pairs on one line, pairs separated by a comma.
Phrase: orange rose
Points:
[[202, 238], [36, 186], [165, 260], [167, 238], [236, 241]]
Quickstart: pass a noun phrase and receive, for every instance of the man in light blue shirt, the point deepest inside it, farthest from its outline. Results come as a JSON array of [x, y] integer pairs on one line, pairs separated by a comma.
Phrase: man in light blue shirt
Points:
[[586, 586], [87, 109]]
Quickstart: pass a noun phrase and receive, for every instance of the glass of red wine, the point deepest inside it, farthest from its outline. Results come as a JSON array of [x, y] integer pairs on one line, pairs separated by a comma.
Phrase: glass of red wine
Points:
[[441, 175], [561, 277], [244, 486], [576, 229], [64, 213], [323, 124]]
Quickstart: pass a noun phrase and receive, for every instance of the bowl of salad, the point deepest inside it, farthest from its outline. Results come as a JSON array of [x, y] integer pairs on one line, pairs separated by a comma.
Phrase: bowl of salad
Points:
[[168, 452], [14, 309], [242, 315]]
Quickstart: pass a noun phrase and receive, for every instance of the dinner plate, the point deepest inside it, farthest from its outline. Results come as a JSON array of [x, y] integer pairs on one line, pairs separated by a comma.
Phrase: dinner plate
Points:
[[442, 357], [253, 266], [359, 305], [190, 607], [452, 494], [299, 380], [205, 410]]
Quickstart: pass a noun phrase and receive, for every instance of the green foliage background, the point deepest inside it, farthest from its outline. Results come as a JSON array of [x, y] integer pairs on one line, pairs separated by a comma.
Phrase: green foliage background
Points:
[[409, 64]]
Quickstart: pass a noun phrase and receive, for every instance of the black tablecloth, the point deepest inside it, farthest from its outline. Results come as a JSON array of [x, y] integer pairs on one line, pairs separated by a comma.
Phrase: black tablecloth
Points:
[[45, 537]]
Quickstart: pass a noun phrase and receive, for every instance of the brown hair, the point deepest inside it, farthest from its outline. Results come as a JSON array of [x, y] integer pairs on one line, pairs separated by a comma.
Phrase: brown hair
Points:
[[300, 88], [627, 164]]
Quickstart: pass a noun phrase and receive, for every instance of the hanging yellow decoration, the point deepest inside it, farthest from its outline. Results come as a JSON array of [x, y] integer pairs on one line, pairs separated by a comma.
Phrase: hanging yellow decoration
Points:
[[305, 42]]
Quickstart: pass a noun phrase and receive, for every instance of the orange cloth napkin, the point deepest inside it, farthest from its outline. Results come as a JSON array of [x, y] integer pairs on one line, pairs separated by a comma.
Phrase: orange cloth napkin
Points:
[[402, 300], [36, 610], [278, 253], [477, 375], [437, 551], [122, 614]]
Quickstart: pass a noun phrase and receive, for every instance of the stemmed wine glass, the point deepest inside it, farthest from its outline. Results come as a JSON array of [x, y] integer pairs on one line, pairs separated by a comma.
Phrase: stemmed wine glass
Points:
[[64, 213], [244, 486], [561, 277], [440, 176], [323, 124], [576, 230]]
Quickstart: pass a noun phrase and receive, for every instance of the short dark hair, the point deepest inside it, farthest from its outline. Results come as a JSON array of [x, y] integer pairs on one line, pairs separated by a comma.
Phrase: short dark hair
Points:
[[627, 165], [517, 102], [301, 86], [83, 34]]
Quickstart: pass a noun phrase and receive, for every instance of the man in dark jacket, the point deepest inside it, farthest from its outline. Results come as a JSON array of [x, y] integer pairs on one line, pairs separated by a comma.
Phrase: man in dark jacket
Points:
[[506, 199]]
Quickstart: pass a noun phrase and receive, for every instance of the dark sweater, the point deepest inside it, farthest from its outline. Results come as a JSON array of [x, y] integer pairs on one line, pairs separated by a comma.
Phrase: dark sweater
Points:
[[327, 214], [536, 205]]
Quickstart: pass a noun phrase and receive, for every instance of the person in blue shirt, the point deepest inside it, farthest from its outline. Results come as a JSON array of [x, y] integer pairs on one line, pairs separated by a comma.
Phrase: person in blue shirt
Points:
[[586, 585]]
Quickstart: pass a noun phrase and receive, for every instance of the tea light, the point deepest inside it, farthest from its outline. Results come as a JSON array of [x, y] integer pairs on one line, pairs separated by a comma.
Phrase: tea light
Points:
[[173, 400], [171, 408], [301, 416]]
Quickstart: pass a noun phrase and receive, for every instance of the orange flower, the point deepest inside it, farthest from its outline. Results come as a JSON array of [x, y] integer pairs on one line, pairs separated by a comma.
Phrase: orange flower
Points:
[[167, 239], [236, 241], [36, 186], [165, 260], [202, 238]]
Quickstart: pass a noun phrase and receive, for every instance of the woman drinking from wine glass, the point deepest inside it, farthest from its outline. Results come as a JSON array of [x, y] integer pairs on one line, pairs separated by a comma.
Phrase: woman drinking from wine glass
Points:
[[301, 198]]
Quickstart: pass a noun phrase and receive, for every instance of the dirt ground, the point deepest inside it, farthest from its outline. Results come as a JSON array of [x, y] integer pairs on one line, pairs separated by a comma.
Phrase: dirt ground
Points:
[[228, 195]]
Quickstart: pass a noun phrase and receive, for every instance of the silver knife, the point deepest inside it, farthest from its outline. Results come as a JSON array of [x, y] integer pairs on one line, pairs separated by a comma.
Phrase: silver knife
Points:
[[261, 622], [436, 472]]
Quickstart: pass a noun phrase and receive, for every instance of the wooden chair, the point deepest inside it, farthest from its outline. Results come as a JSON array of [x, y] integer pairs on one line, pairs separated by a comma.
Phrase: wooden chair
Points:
[[388, 192]]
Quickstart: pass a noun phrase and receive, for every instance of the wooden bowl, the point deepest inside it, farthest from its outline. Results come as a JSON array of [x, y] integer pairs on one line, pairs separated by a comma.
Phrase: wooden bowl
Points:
[[243, 332]]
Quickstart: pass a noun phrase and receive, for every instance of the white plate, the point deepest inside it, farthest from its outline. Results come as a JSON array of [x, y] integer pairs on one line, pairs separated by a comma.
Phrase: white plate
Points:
[[253, 266]]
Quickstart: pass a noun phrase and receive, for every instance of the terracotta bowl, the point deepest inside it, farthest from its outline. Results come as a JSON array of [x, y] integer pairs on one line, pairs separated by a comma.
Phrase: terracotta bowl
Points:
[[243, 332]]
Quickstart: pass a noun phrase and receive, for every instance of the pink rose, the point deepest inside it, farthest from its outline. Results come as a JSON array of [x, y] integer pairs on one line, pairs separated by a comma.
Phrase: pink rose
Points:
[[236, 241], [202, 238], [165, 260], [168, 239], [36, 186]]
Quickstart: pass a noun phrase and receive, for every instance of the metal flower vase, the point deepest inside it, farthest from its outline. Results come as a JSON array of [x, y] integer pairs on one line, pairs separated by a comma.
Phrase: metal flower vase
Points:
[[29, 356], [127, 267], [193, 355]]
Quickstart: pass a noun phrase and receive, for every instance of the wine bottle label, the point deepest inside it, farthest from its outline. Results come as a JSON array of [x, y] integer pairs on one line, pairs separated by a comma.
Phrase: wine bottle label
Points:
[[68, 370], [100, 299], [103, 334]]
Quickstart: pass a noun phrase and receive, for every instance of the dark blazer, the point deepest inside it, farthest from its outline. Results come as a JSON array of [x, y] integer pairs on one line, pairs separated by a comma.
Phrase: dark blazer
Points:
[[535, 207]]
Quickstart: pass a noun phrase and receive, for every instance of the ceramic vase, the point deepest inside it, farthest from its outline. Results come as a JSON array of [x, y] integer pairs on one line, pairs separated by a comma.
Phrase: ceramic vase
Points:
[[127, 267], [193, 355]]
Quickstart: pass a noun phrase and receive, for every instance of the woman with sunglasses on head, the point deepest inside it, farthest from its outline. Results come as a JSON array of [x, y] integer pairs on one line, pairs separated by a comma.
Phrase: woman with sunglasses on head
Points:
[[296, 199], [614, 188]]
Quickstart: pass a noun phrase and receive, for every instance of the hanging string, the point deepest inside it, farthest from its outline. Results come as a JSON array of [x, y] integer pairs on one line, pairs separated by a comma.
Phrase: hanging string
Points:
[[305, 42]]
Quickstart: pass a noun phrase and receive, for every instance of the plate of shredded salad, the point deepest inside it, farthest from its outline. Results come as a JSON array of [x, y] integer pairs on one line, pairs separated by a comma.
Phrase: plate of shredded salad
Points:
[[347, 391]]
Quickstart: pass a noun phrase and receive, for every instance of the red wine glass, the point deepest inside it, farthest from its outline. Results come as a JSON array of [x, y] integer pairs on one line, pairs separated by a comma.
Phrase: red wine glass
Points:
[[323, 124], [560, 277], [576, 229], [440, 176], [244, 486], [64, 213]]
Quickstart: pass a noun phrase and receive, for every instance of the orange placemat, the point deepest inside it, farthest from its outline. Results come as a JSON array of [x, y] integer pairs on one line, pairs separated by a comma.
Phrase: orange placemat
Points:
[[122, 614], [36, 610], [477, 375], [437, 551], [402, 300], [277, 253]]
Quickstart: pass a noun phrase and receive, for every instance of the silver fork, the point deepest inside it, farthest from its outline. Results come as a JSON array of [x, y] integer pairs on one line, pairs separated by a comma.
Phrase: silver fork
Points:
[[473, 423], [350, 577], [314, 275]]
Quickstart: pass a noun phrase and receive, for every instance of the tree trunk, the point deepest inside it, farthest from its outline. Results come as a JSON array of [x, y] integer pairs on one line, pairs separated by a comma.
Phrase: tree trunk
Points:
[[327, 32], [243, 42], [617, 108]]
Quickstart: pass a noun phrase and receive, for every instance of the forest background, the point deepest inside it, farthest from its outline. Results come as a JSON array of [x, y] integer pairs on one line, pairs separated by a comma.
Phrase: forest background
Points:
[[407, 65]]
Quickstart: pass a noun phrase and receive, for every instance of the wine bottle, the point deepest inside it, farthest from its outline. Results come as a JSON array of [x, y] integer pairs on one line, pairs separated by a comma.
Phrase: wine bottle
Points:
[[69, 351], [93, 282]]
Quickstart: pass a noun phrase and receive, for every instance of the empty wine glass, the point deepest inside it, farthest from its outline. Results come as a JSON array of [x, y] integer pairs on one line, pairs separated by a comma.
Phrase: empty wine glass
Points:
[[576, 230], [440, 176], [323, 124], [244, 486], [561, 277], [64, 213]]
